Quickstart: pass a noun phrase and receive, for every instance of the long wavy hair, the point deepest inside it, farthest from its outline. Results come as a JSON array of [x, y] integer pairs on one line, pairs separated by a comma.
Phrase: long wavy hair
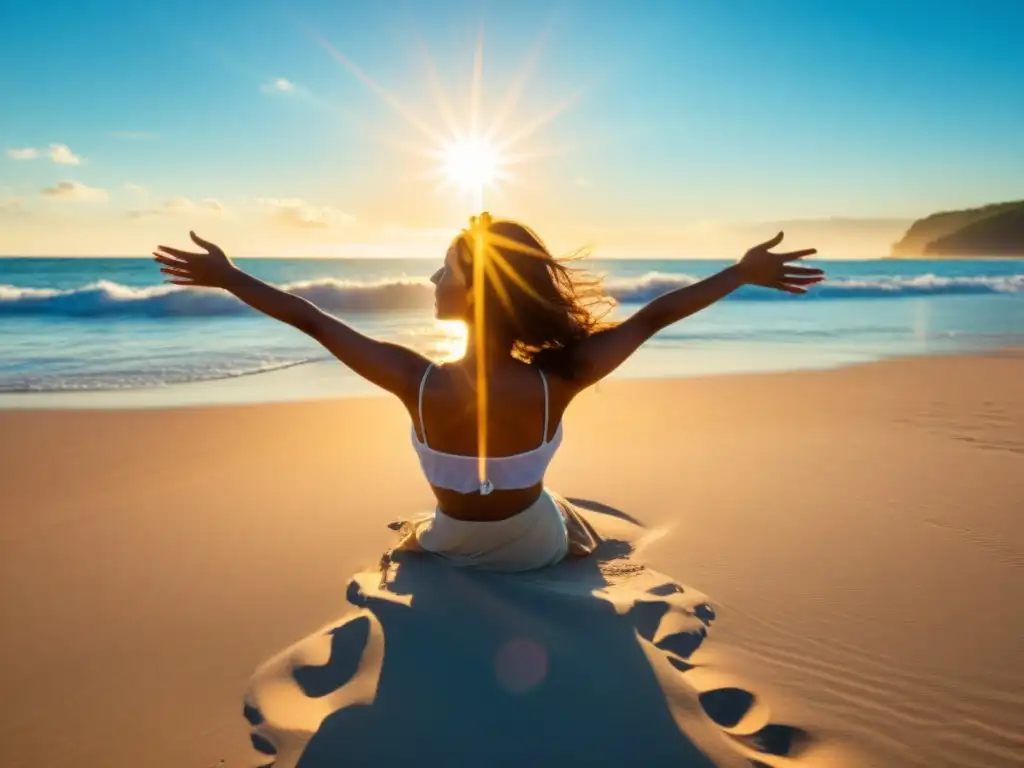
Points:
[[536, 304]]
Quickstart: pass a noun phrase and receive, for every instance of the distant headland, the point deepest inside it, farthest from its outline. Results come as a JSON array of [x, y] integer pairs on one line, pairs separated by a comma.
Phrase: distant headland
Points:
[[992, 230]]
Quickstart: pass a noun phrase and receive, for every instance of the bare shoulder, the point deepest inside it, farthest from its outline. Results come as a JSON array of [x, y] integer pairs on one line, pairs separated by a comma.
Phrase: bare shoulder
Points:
[[423, 373], [561, 391]]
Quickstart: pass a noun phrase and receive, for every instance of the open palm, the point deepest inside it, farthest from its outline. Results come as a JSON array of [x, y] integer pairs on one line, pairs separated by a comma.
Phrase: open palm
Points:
[[760, 266], [211, 269]]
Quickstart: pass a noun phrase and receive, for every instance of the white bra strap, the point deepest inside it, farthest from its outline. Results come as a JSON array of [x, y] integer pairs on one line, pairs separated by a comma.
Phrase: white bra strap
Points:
[[419, 407], [544, 381]]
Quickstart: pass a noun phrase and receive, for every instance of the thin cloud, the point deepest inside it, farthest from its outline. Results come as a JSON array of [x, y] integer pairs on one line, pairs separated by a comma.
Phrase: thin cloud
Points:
[[75, 190], [58, 153], [278, 85], [26, 153], [299, 214], [136, 189], [182, 206]]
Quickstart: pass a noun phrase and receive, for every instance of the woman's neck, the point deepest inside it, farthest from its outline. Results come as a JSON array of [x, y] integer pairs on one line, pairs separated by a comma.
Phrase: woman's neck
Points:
[[485, 349]]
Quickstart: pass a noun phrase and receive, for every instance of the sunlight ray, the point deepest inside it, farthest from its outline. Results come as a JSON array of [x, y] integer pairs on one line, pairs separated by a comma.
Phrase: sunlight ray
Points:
[[509, 244], [405, 146], [401, 109], [540, 121], [477, 85], [557, 150], [515, 90], [518, 280], [479, 255], [494, 275], [444, 104]]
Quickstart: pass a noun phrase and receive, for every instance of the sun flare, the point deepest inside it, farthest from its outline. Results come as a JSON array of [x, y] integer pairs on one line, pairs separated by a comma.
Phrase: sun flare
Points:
[[469, 153], [470, 164]]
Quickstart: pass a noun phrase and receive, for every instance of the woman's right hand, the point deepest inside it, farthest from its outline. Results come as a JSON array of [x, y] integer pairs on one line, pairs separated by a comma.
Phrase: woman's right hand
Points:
[[759, 266], [212, 269]]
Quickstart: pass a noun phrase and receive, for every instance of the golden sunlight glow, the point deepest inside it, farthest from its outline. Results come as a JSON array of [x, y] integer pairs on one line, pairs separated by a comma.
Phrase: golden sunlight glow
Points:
[[471, 164], [471, 154], [452, 345]]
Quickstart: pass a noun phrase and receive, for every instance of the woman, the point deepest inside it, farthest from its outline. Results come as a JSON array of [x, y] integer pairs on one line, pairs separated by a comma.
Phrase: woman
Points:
[[486, 427]]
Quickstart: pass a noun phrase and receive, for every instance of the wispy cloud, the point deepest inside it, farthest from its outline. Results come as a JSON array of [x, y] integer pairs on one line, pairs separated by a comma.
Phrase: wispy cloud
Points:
[[59, 153], [75, 190], [294, 212], [62, 154], [11, 207], [136, 189], [278, 85], [182, 206]]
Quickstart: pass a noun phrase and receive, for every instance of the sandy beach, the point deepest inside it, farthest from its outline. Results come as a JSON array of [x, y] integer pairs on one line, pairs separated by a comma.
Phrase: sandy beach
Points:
[[857, 532]]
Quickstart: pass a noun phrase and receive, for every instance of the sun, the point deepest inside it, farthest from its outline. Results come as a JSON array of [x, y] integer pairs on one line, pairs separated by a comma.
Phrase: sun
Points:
[[469, 154], [471, 164]]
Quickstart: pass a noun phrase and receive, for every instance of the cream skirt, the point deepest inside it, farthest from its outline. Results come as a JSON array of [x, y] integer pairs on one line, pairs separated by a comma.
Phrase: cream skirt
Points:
[[536, 537]]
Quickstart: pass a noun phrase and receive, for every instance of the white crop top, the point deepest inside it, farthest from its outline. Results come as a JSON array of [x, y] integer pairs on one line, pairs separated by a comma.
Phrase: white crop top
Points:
[[457, 472]]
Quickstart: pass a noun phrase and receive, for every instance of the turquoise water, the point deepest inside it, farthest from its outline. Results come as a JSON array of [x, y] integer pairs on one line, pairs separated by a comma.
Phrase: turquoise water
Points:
[[84, 325]]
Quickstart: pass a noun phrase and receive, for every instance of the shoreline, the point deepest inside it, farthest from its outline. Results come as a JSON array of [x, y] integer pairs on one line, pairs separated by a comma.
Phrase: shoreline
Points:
[[338, 384]]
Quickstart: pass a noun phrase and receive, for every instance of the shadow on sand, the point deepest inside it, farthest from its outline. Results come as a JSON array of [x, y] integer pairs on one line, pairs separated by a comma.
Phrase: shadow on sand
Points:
[[583, 663]]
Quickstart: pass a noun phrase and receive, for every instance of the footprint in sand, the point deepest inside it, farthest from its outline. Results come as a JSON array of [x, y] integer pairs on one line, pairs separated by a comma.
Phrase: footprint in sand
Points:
[[731, 708], [592, 662]]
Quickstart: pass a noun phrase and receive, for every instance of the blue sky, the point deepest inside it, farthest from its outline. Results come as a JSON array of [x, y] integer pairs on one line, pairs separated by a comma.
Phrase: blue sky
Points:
[[687, 126]]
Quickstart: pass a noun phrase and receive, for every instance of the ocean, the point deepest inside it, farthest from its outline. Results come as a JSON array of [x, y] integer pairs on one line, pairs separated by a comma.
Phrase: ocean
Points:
[[82, 332]]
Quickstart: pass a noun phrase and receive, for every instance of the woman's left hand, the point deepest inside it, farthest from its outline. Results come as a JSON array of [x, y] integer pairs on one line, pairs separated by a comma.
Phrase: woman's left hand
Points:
[[759, 266]]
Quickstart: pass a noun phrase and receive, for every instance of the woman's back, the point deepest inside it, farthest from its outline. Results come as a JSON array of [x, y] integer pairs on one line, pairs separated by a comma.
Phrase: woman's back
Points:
[[523, 430]]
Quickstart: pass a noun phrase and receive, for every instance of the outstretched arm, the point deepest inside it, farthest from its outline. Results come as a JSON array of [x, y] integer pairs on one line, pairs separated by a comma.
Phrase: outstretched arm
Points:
[[602, 353], [390, 366]]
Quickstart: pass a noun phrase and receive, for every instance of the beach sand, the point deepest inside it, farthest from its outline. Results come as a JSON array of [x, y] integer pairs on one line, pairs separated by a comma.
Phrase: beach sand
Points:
[[851, 543]]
